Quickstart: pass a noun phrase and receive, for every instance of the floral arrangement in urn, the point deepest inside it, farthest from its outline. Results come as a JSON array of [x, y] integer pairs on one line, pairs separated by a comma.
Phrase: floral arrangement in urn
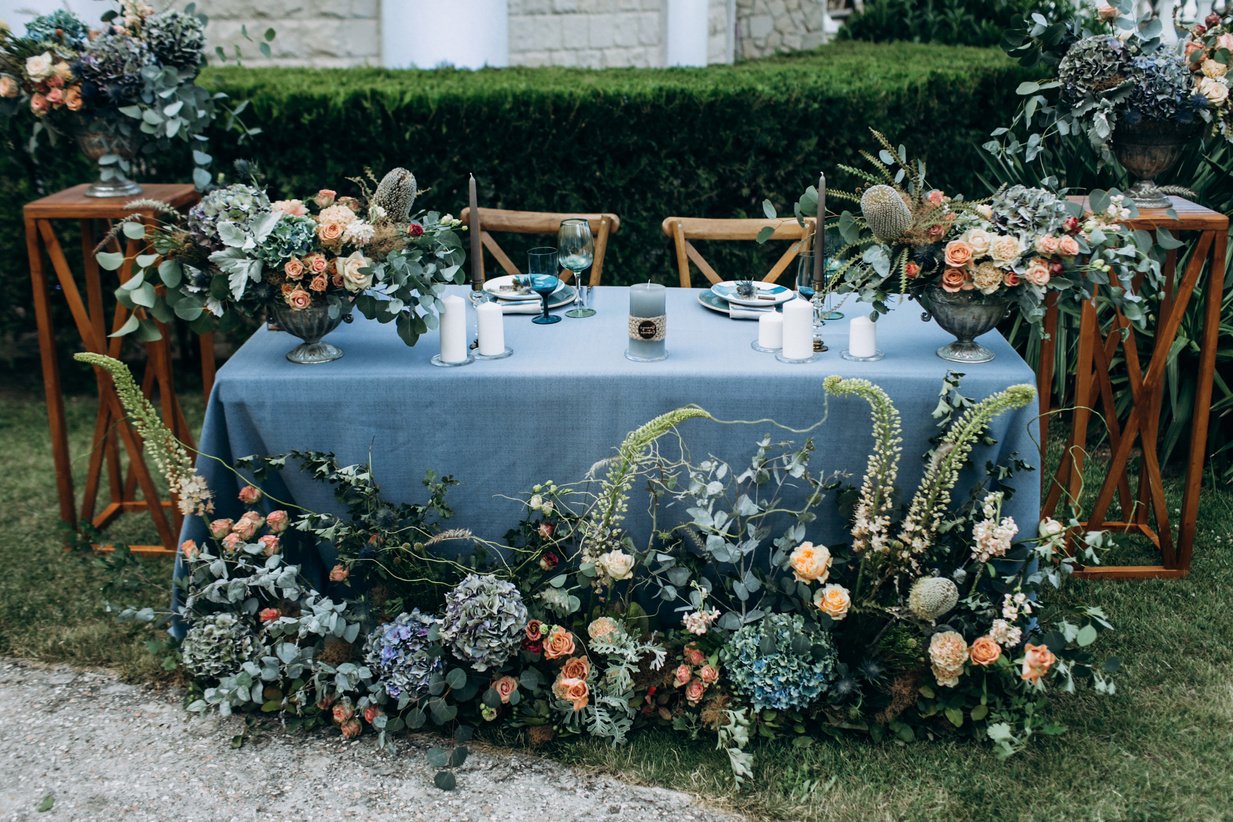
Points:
[[124, 86], [931, 617], [237, 253], [1115, 81]]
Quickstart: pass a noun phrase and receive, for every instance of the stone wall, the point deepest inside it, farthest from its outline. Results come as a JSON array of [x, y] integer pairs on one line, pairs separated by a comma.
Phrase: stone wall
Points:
[[765, 27], [318, 33], [590, 33]]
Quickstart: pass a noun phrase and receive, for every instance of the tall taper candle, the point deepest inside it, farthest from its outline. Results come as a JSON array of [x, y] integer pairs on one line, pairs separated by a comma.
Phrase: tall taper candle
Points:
[[819, 239], [477, 252]]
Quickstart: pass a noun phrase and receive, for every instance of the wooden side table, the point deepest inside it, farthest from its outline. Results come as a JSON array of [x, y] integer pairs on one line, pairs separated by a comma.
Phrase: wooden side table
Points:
[[111, 430], [1144, 509]]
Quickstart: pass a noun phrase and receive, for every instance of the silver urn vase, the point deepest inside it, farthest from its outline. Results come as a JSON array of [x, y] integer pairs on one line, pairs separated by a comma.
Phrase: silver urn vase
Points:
[[96, 141], [966, 315], [1146, 150], [310, 325]]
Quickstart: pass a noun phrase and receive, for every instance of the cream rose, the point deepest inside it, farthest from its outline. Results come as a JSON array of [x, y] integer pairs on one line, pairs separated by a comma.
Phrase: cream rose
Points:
[[8, 86], [1005, 248], [353, 279], [1214, 68], [810, 563], [1225, 41], [979, 240], [1037, 272], [1215, 89], [833, 600], [616, 565], [38, 67]]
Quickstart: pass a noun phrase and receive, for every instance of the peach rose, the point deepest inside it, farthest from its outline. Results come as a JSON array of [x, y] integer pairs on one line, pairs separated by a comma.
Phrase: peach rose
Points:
[[8, 87], [1106, 12], [1037, 272], [252, 516], [681, 676], [709, 674], [935, 232], [250, 495], [72, 98], [355, 280], [694, 691], [958, 253], [505, 686], [38, 104], [220, 528], [985, 651], [232, 543], [190, 550], [371, 713], [277, 521], [245, 529], [55, 96], [810, 563], [912, 270], [1193, 48], [1225, 41], [1011, 279], [330, 232], [293, 208], [342, 712], [325, 197], [351, 729], [316, 263], [268, 614], [269, 545], [1037, 660], [571, 690], [319, 283], [694, 656], [953, 279], [293, 268], [559, 643], [299, 299], [576, 667], [1005, 248], [62, 71], [1068, 247], [1047, 245], [833, 600], [935, 197], [339, 574]]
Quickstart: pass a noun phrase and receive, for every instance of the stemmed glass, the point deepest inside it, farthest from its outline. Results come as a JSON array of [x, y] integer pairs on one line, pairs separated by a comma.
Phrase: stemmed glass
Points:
[[542, 270], [577, 252]]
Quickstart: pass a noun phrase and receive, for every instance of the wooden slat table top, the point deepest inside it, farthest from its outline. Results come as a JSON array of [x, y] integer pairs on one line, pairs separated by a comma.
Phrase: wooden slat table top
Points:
[[1190, 217], [73, 204]]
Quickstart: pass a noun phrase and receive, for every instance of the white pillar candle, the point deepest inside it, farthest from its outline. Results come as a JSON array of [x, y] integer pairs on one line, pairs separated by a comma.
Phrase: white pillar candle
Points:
[[490, 321], [453, 329], [770, 330], [862, 337], [798, 330]]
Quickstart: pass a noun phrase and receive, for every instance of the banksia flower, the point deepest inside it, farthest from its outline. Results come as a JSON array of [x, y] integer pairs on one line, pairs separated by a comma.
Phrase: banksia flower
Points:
[[396, 194], [886, 213]]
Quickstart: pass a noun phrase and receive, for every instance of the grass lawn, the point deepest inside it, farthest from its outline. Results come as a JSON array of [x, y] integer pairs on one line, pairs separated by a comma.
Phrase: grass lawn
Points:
[[1161, 748]]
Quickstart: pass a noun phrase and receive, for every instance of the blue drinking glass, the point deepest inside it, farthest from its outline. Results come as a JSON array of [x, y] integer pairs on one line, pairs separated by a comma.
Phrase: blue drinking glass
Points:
[[543, 270]]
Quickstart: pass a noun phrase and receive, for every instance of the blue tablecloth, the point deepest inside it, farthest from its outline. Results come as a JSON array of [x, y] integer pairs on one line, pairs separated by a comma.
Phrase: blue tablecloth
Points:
[[566, 399]]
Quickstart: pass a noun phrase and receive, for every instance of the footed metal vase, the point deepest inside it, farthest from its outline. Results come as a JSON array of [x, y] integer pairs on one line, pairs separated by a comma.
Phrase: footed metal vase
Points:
[[966, 315]]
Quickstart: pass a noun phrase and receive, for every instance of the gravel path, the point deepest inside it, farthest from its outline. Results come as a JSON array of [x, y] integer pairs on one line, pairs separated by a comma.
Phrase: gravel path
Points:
[[92, 747]]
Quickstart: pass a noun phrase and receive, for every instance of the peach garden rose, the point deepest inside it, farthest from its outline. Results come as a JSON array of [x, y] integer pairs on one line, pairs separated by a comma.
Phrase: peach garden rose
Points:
[[1068, 247], [694, 691], [1037, 661], [833, 600], [958, 253], [810, 563], [953, 280], [559, 643], [299, 299], [985, 651], [505, 687], [576, 667]]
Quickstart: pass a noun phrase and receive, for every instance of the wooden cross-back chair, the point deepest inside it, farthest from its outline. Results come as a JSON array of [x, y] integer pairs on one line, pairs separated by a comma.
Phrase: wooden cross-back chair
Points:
[[500, 220], [684, 230]]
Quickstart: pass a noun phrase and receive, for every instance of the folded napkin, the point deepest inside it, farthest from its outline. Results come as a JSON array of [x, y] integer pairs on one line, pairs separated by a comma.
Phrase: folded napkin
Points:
[[746, 312], [522, 308]]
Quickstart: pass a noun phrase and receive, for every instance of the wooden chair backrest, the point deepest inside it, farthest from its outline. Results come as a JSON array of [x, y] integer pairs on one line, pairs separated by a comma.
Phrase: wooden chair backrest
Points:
[[684, 230], [501, 220]]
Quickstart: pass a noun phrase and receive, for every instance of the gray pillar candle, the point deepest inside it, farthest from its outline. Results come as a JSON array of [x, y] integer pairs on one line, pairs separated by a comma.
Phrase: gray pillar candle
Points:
[[647, 322]]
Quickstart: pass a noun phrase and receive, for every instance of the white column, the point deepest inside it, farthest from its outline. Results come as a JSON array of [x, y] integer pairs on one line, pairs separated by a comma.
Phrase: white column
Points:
[[462, 33], [688, 32]]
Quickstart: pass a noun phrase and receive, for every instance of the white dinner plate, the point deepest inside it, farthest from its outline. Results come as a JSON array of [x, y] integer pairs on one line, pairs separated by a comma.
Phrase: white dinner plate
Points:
[[503, 289], [764, 293]]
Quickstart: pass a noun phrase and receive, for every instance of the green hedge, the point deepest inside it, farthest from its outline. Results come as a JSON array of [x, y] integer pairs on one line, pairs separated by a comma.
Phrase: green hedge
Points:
[[641, 143]]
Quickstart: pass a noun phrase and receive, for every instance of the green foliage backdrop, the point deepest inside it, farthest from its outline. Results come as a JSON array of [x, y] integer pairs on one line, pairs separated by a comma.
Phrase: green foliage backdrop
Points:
[[641, 143]]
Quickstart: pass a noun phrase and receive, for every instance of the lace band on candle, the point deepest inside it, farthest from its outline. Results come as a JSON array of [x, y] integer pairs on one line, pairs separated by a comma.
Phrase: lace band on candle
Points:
[[648, 329]]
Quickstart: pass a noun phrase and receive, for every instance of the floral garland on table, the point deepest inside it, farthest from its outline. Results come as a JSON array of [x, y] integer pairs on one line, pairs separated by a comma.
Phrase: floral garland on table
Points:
[[1020, 245], [235, 253], [729, 620], [133, 76]]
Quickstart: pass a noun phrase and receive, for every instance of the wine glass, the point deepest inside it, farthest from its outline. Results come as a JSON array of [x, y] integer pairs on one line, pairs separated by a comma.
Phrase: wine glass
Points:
[[542, 270], [577, 252]]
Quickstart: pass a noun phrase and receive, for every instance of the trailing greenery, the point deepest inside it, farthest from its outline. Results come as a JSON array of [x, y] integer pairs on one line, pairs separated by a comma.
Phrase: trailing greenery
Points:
[[641, 143], [954, 22]]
